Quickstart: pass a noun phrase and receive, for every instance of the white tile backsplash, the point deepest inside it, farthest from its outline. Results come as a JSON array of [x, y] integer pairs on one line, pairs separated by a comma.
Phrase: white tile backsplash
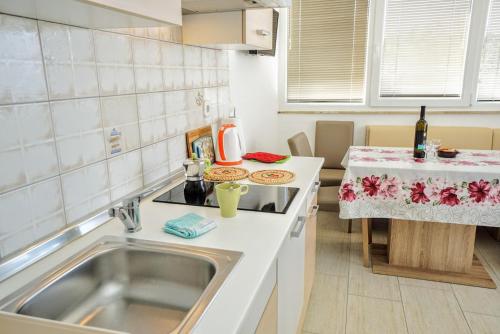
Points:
[[155, 162], [114, 60], [174, 78], [78, 131], [125, 174], [152, 118], [222, 59], [173, 65], [69, 61], [194, 103], [85, 191], [172, 54], [147, 65], [224, 101], [175, 101], [210, 77], [192, 56], [208, 58], [177, 124], [21, 67], [119, 113], [28, 154], [177, 152], [193, 77], [88, 117], [193, 67], [35, 210]]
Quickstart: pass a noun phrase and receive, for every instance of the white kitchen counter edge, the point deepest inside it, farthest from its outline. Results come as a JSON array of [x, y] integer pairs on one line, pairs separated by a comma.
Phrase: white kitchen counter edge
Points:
[[258, 235]]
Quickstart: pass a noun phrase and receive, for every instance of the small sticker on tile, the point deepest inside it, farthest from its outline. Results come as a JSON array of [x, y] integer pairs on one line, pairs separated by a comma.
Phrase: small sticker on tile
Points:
[[114, 140]]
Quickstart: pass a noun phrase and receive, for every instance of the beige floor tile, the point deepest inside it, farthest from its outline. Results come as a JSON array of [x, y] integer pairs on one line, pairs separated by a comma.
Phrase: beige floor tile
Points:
[[424, 283], [329, 223], [489, 250], [432, 311], [483, 324], [326, 313], [362, 282], [356, 255], [356, 252], [371, 315], [332, 255], [478, 300]]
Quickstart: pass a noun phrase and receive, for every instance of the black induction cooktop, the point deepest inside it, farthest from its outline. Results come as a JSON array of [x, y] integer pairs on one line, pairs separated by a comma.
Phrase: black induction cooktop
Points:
[[273, 199]]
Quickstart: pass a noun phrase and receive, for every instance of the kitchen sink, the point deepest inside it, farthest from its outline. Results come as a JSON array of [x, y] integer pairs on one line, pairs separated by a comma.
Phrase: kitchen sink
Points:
[[128, 285]]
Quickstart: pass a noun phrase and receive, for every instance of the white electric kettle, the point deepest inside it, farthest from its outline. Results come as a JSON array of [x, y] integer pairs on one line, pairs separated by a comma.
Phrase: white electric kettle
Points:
[[228, 151]]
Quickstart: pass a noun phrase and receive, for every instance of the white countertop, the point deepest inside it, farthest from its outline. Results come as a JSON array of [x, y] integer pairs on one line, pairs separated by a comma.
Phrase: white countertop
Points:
[[258, 235]]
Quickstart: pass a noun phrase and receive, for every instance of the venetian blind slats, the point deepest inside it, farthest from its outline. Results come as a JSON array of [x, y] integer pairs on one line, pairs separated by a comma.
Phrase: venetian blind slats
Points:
[[327, 47], [489, 73], [424, 48]]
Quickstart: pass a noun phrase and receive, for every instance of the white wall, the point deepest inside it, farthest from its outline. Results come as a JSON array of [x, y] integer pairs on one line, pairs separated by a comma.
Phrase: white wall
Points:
[[254, 93]]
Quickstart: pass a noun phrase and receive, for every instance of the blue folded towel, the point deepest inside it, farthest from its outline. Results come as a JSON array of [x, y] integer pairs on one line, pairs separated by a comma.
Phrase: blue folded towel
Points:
[[189, 226]]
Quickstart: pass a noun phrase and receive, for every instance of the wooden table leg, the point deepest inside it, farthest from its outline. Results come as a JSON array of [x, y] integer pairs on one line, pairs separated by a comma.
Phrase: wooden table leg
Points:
[[366, 234], [430, 251]]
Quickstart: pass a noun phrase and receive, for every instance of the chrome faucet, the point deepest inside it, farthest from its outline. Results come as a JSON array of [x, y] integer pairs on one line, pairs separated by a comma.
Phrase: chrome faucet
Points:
[[129, 215]]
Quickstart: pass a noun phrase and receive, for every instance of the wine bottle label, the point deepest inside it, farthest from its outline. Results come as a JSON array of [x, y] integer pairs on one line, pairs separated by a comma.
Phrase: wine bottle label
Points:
[[421, 147]]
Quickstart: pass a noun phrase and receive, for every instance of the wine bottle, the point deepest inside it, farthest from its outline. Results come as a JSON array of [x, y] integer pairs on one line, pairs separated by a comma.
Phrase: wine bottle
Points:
[[420, 135]]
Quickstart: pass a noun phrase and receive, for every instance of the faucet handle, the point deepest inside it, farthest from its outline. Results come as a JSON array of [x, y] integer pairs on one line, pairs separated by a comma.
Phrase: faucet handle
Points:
[[132, 202], [128, 214]]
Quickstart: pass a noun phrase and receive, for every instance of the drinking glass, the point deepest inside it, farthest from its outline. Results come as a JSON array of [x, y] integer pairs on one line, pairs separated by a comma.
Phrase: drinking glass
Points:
[[432, 147]]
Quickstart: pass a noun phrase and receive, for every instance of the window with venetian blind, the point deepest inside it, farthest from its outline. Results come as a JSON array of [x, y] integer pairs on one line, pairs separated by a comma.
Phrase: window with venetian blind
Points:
[[424, 48], [489, 73], [327, 50]]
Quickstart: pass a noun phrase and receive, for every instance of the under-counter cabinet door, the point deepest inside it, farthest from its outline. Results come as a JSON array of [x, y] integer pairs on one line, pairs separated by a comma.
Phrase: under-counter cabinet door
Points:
[[310, 256], [291, 277], [250, 29], [268, 323]]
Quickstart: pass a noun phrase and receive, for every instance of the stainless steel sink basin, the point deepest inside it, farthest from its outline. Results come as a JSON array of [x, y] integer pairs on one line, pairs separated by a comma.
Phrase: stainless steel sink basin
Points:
[[128, 285]]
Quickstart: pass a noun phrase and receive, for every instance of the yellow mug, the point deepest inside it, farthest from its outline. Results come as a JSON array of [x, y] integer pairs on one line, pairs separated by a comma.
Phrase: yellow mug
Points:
[[228, 197]]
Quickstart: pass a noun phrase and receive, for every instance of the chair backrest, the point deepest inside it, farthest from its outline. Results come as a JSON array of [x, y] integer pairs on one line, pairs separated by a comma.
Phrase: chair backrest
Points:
[[333, 139], [496, 139], [390, 135], [452, 136], [299, 145]]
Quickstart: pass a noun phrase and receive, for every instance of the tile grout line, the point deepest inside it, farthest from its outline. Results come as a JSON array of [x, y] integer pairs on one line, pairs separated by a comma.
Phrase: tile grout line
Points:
[[488, 315], [48, 100], [403, 306], [460, 307], [52, 123], [132, 51], [488, 264], [99, 97]]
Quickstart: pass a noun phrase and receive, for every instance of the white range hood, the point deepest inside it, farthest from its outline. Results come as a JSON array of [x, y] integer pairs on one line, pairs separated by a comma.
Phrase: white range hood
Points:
[[210, 6]]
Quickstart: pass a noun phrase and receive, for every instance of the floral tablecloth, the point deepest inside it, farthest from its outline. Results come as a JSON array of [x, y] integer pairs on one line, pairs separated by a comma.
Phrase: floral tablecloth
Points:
[[384, 182]]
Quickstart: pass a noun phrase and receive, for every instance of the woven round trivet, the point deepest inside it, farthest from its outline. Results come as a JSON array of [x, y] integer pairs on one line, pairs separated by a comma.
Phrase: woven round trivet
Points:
[[272, 176], [226, 174]]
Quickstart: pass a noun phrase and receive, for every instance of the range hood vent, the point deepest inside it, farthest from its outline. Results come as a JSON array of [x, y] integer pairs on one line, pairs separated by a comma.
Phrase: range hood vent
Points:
[[211, 6]]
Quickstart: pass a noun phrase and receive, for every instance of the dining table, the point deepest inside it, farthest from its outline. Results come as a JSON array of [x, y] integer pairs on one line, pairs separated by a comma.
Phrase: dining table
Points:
[[432, 207]]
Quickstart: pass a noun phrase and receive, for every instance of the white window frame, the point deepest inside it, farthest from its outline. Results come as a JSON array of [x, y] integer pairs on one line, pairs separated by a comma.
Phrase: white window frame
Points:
[[372, 101]]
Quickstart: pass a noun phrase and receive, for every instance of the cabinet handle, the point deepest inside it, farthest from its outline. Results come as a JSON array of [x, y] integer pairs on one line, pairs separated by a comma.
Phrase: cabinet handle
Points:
[[299, 226], [315, 189], [314, 211], [263, 32]]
